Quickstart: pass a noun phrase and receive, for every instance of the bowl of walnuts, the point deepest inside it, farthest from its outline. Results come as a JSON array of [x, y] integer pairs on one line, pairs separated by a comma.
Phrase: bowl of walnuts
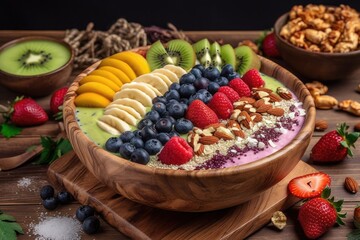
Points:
[[320, 42]]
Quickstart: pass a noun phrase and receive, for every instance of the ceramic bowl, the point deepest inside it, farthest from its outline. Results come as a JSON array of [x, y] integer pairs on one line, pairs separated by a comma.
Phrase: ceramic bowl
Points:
[[197, 190], [42, 84], [316, 65]]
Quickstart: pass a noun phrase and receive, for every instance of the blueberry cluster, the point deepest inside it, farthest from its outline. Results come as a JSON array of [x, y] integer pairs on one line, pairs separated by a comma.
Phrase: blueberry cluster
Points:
[[86, 215], [50, 200], [166, 117]]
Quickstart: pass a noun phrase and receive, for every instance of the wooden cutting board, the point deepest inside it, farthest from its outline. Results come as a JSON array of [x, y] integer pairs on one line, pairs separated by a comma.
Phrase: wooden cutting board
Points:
[[142, 222]]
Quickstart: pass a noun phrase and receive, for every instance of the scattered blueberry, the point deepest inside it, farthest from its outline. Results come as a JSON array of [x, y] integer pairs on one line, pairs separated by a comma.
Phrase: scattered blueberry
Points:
[[211, 73], [174, 86], [172, 94], [126, 150], [113, 144], [64, 197], [148, 132], [196, 72], [183, 126], [153, 146], [164, 125], [91, 225], [176, 110], [137, 142], [187, 78], [140, 155], [227, 70], [144, 122], [201, 83], [222, 81], [186, 90], [153, 116], [213, 87], [163, 137], [50, 203], [126, 136], [159, 99], [233, 75], [46, 191], [84, 212]]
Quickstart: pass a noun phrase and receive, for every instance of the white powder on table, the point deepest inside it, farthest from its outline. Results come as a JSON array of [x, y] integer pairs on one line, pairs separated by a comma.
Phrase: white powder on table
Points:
[[24, 182], [57, 228]]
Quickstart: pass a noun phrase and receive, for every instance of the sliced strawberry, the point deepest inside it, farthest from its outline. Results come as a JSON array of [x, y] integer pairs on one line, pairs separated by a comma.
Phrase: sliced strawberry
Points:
[[221, 105], [310, 185], [253, 79], [200, 114], [230, 93], [240, 87], [176, 151]]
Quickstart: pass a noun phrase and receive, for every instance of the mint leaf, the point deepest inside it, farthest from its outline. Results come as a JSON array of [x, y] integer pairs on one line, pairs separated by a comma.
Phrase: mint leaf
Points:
[[52, 150], [354, 235], [9, 227], [9, 130]]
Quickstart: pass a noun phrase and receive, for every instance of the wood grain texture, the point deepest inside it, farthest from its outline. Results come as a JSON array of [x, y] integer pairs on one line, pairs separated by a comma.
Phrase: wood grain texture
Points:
[[198, 190], [141, 222]]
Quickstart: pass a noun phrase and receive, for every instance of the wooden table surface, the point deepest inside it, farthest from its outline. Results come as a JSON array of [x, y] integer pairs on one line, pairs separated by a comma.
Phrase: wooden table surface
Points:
[[25, 204]]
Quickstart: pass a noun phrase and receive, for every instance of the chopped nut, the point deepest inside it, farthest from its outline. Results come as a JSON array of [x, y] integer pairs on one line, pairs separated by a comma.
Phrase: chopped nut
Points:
[[321, 125], [276, 111], [208, 140], [357, 217], [351, 185], [316, 88], [357, 127], [279, 220], [284, 93], [350, 106], [325, 102]]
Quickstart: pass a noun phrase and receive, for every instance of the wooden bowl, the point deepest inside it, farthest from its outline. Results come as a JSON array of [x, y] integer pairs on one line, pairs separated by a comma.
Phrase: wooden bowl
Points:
[[38, 85], [316, 65], [197, 190]]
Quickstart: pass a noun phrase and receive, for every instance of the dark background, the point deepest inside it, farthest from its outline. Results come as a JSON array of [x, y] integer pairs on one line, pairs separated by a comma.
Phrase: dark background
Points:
[[186, 14]]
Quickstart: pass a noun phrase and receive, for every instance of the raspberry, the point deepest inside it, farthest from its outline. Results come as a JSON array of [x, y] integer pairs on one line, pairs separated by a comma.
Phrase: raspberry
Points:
[[176, 151]]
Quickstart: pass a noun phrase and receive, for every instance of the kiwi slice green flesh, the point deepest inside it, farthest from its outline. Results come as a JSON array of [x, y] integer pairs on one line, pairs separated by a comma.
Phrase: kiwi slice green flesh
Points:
[[227, 55], [246, 59], [215, 53], [181, 52], [33, 57], [202, 51], [157, 56]]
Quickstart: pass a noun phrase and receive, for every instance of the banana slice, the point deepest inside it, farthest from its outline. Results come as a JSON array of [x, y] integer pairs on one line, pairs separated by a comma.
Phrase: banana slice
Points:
[[131, 103], [164, 78], [115, 122], [142, 87], [107, 128], [171, 76], [154, 81], [128, 109], [179, 71], [123, 115], [134, 94]]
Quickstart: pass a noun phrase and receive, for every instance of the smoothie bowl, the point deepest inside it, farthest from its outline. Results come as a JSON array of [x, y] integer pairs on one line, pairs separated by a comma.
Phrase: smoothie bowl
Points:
[[232, 160]]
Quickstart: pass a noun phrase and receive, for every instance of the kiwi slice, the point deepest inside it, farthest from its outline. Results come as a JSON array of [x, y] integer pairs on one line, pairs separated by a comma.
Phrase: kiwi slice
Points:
[[181, 53], [246, 59], [33, 57], [215, 53], [202, 51], [227, 55], [157, 56]]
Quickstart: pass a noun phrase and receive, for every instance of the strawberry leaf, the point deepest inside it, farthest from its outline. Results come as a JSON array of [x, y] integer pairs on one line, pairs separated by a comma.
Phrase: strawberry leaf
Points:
[[9, 227], [9, 130], [326, 193], [354, 235], [52, 150]]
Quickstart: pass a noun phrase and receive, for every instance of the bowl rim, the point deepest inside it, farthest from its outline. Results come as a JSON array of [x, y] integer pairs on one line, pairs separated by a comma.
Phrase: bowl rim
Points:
[[27, 38], [306, 130], [277, 29]]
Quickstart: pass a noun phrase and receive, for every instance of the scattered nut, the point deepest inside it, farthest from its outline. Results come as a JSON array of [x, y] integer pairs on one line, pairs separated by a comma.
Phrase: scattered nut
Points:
[[316, 88], [357, 217], [350, 106], [325, 102], [284, 93], [321, 125], [351, 185], [279, 220], [357, 127]]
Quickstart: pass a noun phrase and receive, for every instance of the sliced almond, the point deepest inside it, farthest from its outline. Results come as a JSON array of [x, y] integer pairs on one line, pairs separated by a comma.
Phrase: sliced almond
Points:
[[208, 140], [258, 103], [264, 89], [247, 99], [199, 149], [260, 94], [263, 108], [224, 133], [276, 111], [239, 133], [256, 117], [274, 97]]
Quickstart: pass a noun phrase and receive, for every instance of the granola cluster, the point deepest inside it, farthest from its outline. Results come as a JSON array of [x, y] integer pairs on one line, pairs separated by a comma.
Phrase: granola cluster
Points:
[[320, 28]]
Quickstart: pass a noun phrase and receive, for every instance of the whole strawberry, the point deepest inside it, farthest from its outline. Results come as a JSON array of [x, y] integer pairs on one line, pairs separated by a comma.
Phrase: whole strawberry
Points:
[[334, 146], [200, 114], [318, 215], [253, 79], [221, 105], [240, 87], [230, 93], [269, 47], [57, 100], [25, 112]]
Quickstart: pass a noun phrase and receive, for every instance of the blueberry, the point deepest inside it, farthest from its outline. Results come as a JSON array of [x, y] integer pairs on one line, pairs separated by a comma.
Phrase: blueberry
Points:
[[211, 73], [126, 150], [152, 115], [185, 106], [196, 72], [84, 212], [163, 137], [144, 122], [64, 197], [126, 136], [164, 125], [141, 156], [113, 144], [213, 87], [91, 225], [46, 191], [137, 133], [137, 142], [170, 103], [233, 75], [201, 83], [200, 67], [207, 95], [174, 134], [174, 86], [183, 126], [153, 146], [196, 96], [172, 120], [172, 94], [176, 110], [184, 100], [222, 81], [187, 78], [50, 203], [159, 99], [148, 132], [226, 70], [186, 90], [160, 108]]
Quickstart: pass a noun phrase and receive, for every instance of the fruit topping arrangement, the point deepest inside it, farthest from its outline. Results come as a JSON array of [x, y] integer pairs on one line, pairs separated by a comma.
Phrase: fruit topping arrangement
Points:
[[190, 107]]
